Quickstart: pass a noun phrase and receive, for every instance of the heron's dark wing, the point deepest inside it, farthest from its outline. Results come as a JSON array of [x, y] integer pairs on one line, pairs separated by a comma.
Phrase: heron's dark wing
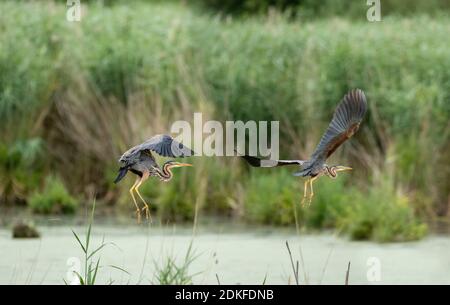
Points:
[[346, 119], [163, 145], [257, 162], [166, 146]]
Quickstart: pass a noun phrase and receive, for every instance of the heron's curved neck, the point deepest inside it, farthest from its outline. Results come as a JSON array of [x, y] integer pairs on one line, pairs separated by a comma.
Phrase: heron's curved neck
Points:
[[165, 174], [331, 171]]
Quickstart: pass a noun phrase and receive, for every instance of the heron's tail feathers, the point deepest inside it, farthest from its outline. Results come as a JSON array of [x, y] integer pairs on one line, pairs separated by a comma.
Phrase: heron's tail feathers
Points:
[[122, 172], [306, 169], [302, 173], [257, 162]]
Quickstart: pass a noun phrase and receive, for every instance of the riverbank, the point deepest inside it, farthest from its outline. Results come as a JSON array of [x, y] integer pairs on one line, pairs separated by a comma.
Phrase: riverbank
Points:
[[245, 256]]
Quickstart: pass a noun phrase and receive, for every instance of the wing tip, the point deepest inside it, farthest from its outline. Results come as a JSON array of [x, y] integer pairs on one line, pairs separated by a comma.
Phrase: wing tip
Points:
[[356, 102]]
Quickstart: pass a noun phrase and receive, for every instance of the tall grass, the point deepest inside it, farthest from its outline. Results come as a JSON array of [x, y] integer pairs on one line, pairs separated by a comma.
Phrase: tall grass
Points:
[[91, 255], [173, 272], [91, 89], [310, 9]]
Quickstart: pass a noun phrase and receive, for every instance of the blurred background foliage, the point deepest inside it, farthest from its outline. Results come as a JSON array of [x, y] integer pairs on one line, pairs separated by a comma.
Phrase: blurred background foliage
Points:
[[316, 9], [74, 96]]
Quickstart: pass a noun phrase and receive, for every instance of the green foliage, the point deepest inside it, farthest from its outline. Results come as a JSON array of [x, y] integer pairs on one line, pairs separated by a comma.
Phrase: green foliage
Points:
[[222, 185], [178, 197], [326, 8], [54, 198], [164, 57], [171, 272], [250, 6], [330, 200], [271, 199], [20, 168], [383, 215]]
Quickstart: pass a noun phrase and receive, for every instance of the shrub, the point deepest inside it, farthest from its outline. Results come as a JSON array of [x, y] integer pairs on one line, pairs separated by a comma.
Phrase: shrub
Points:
[[271, 198], [326, 8], [173, 271], [21, 169], [54, 198], [250, 6], [180, 195], [383, 214]]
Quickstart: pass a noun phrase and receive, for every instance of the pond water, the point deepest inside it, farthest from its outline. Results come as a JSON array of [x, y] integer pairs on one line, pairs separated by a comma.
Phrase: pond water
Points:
[[225, 252]]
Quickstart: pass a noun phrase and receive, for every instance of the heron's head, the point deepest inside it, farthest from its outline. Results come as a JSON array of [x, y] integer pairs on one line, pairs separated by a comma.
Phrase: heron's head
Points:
[[173, 164], [331, 171]]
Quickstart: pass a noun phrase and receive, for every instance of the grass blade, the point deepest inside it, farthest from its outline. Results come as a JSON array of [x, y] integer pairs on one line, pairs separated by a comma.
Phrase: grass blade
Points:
[[96, 250], [80, 278], [79, 241], [265, 279], [292, 262], [88, 236], [95, 272], [120, 269], [347, 274]]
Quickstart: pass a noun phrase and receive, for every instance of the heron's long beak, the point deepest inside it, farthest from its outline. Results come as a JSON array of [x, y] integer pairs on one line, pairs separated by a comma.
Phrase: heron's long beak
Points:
[[183, 164], [344, 168]]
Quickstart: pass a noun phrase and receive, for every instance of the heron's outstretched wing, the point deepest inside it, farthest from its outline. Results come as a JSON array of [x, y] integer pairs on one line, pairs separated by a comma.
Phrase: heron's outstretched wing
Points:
[[166, 146], [346, 119], [257, 162], [163, 145]]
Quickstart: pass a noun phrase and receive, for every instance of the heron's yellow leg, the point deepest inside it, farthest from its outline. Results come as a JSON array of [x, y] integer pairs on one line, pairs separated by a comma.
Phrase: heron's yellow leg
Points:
[[138, 211], [145, 208], [311, 193], [305, 192]]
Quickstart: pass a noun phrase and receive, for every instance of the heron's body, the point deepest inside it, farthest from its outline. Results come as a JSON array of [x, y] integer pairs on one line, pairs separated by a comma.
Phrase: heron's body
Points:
[[345, 123], [325, 170], [140, 161]]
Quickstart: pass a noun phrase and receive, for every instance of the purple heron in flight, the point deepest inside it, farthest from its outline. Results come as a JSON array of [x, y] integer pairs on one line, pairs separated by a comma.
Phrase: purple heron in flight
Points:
[[140, 161], [346, 120]]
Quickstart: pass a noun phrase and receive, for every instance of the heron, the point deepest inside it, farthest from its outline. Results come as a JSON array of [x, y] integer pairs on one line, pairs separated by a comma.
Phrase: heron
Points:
[[140, 161], [346, 121]]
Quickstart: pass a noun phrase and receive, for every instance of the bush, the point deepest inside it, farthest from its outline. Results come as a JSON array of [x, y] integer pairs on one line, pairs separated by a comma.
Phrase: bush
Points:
[[250, 6], [54, 199], [271, 198], [383, 214], [326, 8], [179, 196], [21, 169]]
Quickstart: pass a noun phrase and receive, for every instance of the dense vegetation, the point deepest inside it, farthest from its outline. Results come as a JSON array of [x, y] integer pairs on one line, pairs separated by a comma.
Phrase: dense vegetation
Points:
[[312, 9], [73, 96]]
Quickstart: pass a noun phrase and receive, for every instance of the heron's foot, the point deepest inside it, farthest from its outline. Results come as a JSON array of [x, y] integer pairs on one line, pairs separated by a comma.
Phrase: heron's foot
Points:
[[146, 209], [306, 201], [303, 203], [138, 215]]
